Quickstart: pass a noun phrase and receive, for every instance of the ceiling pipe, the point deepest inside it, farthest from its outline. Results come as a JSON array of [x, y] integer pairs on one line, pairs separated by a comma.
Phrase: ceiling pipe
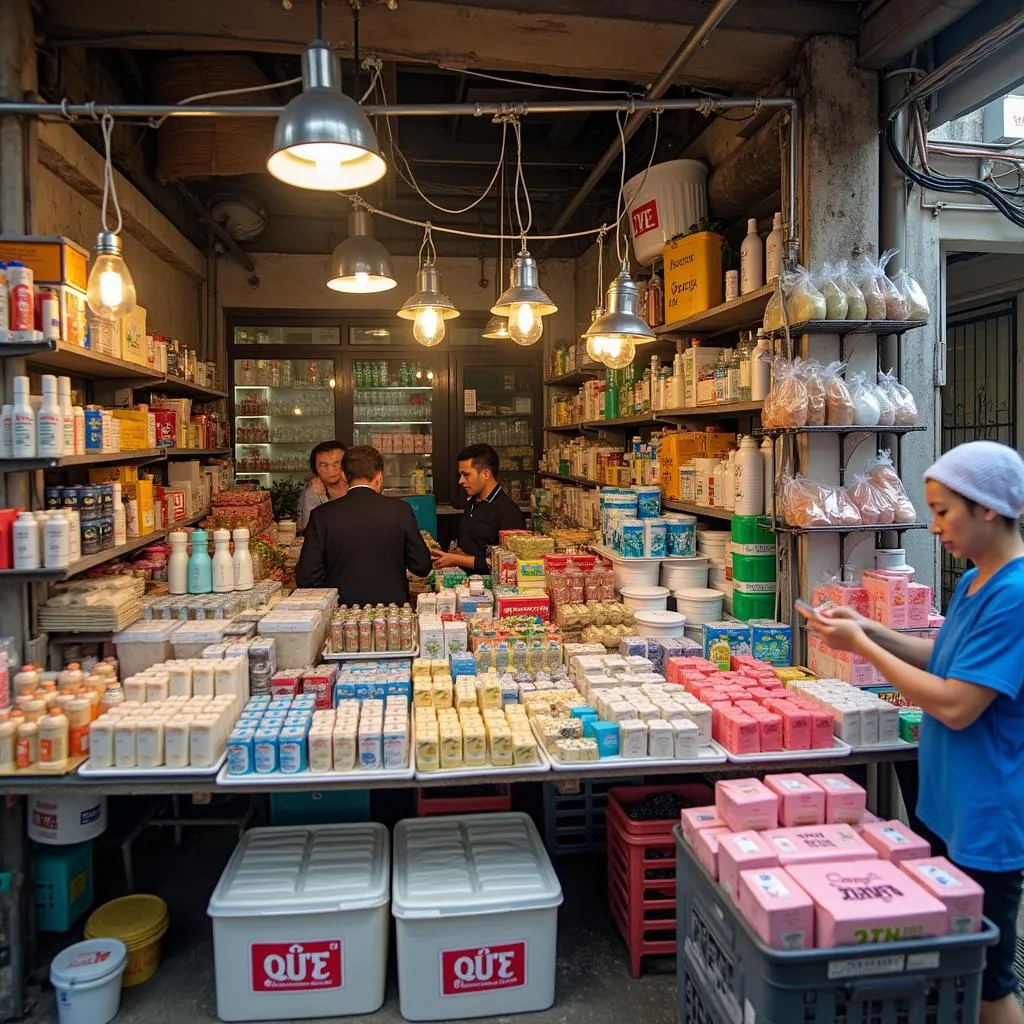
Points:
[[697, 38]]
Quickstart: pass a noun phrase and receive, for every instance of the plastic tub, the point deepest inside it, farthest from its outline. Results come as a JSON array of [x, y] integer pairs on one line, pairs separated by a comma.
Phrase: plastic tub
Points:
[[86, 978], [663, 202], [660, 624], [191, 637], [66, 819], [300, 923], [685, 574], [699, 605], [475, 901], [143, 644], [299, 635], [645, 598], [631, 572], [140, 922]]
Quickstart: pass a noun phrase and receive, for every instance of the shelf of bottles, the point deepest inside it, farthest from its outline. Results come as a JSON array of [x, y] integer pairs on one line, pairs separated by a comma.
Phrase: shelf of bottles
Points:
[[498, 410], [392, 410], [283, 407]]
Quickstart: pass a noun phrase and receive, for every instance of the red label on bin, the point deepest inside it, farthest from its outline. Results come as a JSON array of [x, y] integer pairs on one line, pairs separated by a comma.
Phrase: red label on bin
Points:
[[645, 218], [295, 966], [483, 968]]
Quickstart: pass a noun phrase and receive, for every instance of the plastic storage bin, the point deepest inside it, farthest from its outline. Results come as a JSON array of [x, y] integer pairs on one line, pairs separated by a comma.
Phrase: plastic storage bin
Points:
[[143, 644], [574, 814], [86, 978], [476, 906], [300, 923], [140, 922], [725, 973], [485, 799], [299, 634], [63, 885], [191, 637], [320, 807]]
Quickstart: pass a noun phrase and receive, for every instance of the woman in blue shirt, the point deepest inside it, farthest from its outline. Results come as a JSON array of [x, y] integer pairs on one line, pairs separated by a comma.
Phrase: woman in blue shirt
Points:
[[969, 682]]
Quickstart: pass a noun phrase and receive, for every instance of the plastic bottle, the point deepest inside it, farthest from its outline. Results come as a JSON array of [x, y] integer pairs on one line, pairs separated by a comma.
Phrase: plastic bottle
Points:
[[6, 432], [79, 417], [23, 426], [53, 742], [70, 678], [242, 560], [67, 412], [751, 260], [177, 563], [8, 746], [768, 459], [74, 534], [132, 516], [26, 542], [419, 479], [200, 567], [223, 566], [56, 542], [120, 518], [49, 423], [729, 498], [743, 353], [749, 479], [760, 367], [79, 715], [774, 249], [27, 751]]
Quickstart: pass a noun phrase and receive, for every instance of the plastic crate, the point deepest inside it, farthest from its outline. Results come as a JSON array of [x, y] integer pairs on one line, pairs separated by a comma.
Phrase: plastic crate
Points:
[[489, 799], [62, 877], [320, 807], [642, 871], [726, 974], [574, 814]]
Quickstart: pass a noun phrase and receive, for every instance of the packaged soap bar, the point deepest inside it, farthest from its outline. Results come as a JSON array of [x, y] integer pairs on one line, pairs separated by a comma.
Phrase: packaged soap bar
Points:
[[706, 848], [777, 908], [695, 819], [845, 801], [742, 851], [961, 894], [869, 902], [801, 802], [746, 804], [895, 842], [818, 843]]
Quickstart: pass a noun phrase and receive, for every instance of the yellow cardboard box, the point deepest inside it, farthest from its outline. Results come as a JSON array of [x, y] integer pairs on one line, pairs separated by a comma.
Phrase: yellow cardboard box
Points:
[[693, 275], [676, 449], [133, 337], [134, 428], [52, 260], [123, 475], [718, 444], [142, 492]]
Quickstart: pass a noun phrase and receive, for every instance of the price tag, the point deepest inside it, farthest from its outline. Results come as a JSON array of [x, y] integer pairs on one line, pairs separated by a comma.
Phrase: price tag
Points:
[[469, 400]]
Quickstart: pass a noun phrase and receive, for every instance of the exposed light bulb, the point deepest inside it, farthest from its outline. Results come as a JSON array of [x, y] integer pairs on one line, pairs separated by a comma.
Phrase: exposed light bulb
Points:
[[111, 290], [595, 348], [332, 383], [618, 351], [525, 323], [297, 410], [428, 326]]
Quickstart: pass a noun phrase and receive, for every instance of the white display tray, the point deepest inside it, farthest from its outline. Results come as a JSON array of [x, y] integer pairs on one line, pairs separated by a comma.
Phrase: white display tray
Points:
[[369, 655], [839, 749], [711, 754], [882, 748], [86, 772], [489, 770], [259, 781]]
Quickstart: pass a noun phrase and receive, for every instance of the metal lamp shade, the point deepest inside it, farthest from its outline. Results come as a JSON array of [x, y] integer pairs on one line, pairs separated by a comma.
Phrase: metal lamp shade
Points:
[[497, 328], [322, 139], [428, 294], [523, 287], [621, 318], [361, 264]]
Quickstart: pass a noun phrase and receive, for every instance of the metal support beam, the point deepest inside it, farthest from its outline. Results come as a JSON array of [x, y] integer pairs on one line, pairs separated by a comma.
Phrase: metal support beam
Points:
[[217, 229], [891, 28]]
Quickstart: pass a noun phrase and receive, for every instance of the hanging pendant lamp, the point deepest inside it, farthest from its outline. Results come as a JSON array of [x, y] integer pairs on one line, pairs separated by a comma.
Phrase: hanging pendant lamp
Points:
[[497, 326], [428, 308], [595, 345], [620, 328], [360, 263], [524, 302]]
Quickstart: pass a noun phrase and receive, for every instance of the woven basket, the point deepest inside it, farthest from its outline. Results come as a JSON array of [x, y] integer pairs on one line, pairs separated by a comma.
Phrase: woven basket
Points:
[[204, 147]]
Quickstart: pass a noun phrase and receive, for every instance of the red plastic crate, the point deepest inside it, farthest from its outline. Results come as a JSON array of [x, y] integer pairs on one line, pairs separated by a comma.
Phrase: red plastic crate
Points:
[[642, 872], [444, 802]]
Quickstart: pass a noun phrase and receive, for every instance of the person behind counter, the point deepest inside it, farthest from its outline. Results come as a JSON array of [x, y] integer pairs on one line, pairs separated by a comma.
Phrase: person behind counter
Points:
[[363, 543], [489, 511], [328, 479], [968, 682]]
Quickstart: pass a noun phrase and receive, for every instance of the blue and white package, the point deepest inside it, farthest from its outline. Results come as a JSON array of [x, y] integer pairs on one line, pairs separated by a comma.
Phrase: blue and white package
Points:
[[634, 645], [265, 750], [631, 538], [654, 538], [292, 753], [241, 752], [648, 502], [771, 641], [681, 536]]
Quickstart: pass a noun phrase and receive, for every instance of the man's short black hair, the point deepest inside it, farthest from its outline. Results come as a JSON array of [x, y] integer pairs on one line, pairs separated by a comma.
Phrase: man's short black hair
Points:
[[483, 456], [320, 449], [362, 462]]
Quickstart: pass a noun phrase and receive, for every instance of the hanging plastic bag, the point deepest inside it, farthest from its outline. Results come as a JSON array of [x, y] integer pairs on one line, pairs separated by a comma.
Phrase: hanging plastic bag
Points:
[[902, 399], [839, 509], [836, 302], [886, 408], [875, 509], [789, 397], [865, 405], [773, 318], [883, 475], [867, 276], [803, 301], [839, 409], [856, 308], [801, 502], [895, 307], [915, 302], [810, 372]]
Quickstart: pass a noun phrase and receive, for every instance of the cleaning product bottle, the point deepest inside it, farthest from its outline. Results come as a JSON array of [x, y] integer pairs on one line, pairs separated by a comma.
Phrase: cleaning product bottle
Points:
[[49, 422], [56, 541], [223, 567], [25, 535], [751, 260], [6, 432], [120, 518], [200, 567], [242, 560], [67, 412], [774, 250], [760, 367], [53, 741], [23, 425]]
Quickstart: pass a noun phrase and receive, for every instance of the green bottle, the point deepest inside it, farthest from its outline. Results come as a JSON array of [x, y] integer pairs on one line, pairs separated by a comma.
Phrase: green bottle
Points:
[[611, 395]]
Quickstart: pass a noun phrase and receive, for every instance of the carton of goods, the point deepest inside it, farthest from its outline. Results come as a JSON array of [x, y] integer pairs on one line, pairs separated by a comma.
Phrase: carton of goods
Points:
[[507, 602], [103, 336], [777, 908], [818, 843], [919, 605], [528, 545], [134, 428], [771, 641], [52, 260], [693, 275], [133, 337], [845, 801], [74, 311], [166, 428], [801, 802], [894, 841], [745, 804], [961, 894], [705, 846], [868, 903], [887, 594], [739, 852], [699, 363], [694, 819]]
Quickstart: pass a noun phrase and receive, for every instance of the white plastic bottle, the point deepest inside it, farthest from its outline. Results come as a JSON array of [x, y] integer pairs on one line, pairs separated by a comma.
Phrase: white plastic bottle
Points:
[[67, 412], [223, 566], [729, 494], [242, 560], [6, 419], [56, 542], [25, 533], [49, 421], [749, 479], [79, 416], [768, 459], [120, 518], [23, 423], [774, 250], [177, 563], [760, 367], [751, 260], [74, 534]]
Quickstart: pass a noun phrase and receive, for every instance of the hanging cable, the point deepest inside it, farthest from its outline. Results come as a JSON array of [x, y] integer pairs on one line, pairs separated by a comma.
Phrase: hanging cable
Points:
[[109, 185], [540, 85]]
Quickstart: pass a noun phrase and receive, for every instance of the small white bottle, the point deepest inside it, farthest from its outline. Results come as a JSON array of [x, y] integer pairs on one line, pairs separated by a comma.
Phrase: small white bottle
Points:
[[67, 411], [751, 260], [223, 566], [79, 417], [56, 542], [74, 534], [177, 563], [774, 250], [749, 479], [120, 518], [23, 422], [6, 420], [133, 520], [49, 421], [760, 367], [107, 430], [25, 533], [242, 560]]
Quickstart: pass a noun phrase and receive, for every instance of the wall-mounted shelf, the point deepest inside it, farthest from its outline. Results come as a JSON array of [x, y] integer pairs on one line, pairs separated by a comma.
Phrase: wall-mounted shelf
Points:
[[195, 453], [695, 510], [574, 378], [582, 481], [738, 314], [883, 328], [88, 459], [726, 409], [178, 386]]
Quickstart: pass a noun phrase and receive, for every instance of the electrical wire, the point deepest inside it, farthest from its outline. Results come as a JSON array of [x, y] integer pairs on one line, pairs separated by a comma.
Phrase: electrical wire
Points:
[[157, 122], [109, 184], [540, 85]]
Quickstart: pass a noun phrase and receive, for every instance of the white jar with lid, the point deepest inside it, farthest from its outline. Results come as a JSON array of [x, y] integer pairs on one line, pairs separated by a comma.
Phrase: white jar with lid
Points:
[[25, 534]]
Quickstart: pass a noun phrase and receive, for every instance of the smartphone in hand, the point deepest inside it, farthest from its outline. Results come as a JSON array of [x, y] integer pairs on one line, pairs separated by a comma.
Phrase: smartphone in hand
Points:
[[807, 610]]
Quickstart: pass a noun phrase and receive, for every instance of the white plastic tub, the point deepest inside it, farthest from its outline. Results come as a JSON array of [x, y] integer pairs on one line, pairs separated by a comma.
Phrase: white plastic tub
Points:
[[66, 819], [645, 598], [660, 624], [300, 923], [663, 202], [86, 979], [143, 644], [631, 572], [684, 573], [699, 605], [475, 901]]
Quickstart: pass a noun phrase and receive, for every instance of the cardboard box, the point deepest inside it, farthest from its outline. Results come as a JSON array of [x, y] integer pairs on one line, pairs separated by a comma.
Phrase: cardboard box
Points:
[[134, 428], [124, 475], [73, 311], [103, 336], [693, 275], [142, 492], [166, 428], [699, 362], [53, 260], [133, 337]]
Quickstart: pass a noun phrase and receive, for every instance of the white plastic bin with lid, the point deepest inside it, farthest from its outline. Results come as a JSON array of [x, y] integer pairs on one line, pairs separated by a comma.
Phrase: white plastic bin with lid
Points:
[[475, 901], [684, 573], [66, 818], [663, 202], [86, 978], [143, 644], [645, 598], [191, 637], [699, 604], [660, 624], [299, 634], [300, 923]]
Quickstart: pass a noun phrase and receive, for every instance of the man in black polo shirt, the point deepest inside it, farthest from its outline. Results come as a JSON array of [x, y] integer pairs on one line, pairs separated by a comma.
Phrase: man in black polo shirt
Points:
[[490, 509]]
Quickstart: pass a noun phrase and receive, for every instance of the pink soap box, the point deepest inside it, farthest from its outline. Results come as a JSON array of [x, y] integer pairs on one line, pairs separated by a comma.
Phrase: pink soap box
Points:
[[895, 842], [694, 819], [742, 851], [845, 801], [961, 894], [746, 804], [801, 802], [705, 846], [777, 908], [817, 843]]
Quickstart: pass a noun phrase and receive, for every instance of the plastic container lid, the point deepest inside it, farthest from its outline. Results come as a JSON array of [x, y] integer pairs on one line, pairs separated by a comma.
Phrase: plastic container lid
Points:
[[86, 963], [471, 864], [148, 631], [696, 594], [134, 920], [305, 870], [644, 593], [660, 620], [209, 631]]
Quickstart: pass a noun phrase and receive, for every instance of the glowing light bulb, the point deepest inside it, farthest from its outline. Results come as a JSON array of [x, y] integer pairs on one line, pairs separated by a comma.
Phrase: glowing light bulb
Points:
[[525, 324], [595, 348], [111, 290], [618, 351], [428, 326], [332, 383]]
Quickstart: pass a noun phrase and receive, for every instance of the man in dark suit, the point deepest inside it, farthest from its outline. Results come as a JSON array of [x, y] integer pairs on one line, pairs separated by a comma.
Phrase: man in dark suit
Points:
[[363, 543]]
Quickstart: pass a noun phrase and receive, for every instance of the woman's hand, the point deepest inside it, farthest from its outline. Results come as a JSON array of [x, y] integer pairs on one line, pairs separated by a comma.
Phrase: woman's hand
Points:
[[316, 485], [842, 628], [445, 560]]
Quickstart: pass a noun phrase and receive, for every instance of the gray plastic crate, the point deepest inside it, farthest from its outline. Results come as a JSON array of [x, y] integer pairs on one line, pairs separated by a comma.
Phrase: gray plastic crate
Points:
[[574, 814], [726, 974]]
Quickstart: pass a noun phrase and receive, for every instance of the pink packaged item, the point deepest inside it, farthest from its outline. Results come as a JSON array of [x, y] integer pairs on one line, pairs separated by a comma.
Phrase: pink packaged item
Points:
[[779, 911], [845, 801], [813, 843], [742, 851], [919, 605], [961, 894], [866, 819], [888, 596], [705, 846], [894, 841], [746, 804], [695, 819], [801, 802], [868, 902]]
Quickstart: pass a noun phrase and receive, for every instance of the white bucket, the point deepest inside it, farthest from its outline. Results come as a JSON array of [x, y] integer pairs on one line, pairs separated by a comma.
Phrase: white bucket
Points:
[[67, 819], [699, 605], [645, 598], [660, 624], [636, 572], [86, 978], [685, 574], [663, 202], [891, 558]]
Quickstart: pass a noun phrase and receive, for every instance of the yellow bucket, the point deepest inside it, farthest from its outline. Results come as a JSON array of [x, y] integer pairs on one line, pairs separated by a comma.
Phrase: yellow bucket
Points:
[[140, 922]]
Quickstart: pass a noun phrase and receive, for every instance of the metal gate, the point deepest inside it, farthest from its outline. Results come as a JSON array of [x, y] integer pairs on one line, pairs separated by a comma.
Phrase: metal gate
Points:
[[979, 399]]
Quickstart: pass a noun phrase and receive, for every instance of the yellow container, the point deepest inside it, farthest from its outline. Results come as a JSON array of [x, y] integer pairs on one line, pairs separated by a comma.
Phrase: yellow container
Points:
[[693, 275], [52, 260], [134, 428], [140, 922]]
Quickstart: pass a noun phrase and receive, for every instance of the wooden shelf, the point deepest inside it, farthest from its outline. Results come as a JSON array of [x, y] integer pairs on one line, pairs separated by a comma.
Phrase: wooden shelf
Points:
[[644, 419], [195, 453], [580, 480], [739, 314], [177, 386], [566, 428], [88, 459], [576, 377], [725, 409], [695, 510], [83, 362]]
